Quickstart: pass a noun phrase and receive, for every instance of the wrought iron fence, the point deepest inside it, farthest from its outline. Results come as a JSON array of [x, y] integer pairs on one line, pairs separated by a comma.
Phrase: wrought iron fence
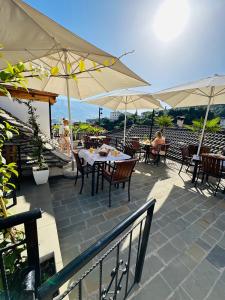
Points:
[[28, 269], [122, 251]]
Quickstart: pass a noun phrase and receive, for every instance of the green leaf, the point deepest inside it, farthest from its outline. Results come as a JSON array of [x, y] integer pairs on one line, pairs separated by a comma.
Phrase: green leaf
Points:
[[74, 77], [9, 134], [81, 65], [68, 67], [54, 71]]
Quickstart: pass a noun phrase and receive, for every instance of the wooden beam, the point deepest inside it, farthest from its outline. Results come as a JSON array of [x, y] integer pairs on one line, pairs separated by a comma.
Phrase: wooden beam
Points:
[[32, 95]]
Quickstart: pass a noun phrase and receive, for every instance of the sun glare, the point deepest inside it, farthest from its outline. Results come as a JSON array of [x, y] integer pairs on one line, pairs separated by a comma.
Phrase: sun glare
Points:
[[171, 19]]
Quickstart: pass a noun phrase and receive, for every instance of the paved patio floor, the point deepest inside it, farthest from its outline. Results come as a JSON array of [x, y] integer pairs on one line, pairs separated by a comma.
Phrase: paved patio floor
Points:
[[186, 254]]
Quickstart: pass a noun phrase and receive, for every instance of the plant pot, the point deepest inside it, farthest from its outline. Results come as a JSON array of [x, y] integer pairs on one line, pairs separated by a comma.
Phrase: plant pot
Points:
[[40, 176]]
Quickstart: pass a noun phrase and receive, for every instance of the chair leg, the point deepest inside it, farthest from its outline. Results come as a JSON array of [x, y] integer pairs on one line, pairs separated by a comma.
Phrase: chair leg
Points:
[[124, 183], [82, 184], [129, 191], [110, 194], [76, 178], [218, 184], [203, 177], [196, 180], [102, 182], [181, 167], [97, 184]]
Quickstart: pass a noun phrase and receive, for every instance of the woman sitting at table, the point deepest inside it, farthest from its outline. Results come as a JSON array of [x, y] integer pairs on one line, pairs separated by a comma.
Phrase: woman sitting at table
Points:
[[157, 141]]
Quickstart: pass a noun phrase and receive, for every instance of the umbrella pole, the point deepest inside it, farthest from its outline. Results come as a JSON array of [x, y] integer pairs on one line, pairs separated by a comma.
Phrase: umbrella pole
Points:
[[204, 124], [125, 125], [69, 108]]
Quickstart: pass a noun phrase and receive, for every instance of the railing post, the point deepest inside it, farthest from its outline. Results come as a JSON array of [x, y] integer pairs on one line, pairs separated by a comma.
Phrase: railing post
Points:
[[144, 244], [32, 250]]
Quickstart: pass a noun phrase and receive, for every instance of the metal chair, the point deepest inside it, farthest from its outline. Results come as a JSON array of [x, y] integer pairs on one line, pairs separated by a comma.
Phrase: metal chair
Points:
[[121, 173]]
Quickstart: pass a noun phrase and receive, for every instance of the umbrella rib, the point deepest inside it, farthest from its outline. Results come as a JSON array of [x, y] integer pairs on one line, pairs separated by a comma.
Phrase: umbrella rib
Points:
[[50, 77], [85, 57], [203, 93], [98, 82], [40, 59], [76, 61], [219, 92]]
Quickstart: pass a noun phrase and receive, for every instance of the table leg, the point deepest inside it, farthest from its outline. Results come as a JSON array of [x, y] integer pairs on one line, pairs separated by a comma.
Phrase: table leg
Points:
[[93, 181], [195, 172]]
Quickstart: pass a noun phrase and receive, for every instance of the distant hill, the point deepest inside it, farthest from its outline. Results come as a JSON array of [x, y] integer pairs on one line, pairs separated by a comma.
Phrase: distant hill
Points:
[[80, 111]]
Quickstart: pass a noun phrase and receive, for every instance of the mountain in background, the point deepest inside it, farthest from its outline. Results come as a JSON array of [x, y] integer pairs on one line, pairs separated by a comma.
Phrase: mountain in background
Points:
[[79, 111]]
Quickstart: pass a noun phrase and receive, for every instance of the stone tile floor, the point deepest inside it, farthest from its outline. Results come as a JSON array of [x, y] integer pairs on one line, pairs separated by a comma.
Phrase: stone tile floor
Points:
[[186, 254]]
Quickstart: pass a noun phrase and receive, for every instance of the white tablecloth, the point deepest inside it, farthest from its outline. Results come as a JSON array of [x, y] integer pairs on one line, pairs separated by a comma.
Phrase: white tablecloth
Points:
[[91, 158]]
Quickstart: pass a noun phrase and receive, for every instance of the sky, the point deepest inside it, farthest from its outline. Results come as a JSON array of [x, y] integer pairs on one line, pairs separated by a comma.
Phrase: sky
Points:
[[118, 26]]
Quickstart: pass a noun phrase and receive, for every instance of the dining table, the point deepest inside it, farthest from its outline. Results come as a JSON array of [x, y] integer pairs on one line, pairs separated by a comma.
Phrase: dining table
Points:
[[93, 158]]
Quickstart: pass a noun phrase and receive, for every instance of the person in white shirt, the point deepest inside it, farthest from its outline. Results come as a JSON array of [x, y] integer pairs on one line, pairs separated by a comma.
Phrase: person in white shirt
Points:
[[66, 135]]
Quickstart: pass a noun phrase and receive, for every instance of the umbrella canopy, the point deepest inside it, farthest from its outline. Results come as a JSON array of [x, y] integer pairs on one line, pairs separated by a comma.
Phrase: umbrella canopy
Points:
[[80, 69], [126, 100], [208, 91], [29, 36]]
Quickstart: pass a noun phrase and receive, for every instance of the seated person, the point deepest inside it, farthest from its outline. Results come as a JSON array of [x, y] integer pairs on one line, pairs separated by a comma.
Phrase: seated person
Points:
[[158, 140]]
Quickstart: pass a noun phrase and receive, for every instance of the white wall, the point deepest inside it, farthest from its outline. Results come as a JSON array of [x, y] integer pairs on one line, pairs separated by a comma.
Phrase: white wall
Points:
[[20, 112]]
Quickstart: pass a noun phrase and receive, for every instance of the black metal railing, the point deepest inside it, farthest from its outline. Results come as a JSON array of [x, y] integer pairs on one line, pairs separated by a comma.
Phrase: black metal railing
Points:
[[122, 250], [29, 271]]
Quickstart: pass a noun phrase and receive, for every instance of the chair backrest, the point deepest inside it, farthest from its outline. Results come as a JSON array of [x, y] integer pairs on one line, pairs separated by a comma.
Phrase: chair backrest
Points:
[[135, 145], [164, 147], [211, 165], [106, 140], [129, 151], [78, 161], [204, 149], [10, 153], [185, 152], [123, 169], [192, 150], [91, 144]]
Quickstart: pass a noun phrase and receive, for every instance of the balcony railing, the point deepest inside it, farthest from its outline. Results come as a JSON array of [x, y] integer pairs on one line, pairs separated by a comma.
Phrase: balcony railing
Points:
[[125, 242], [113, 265], [29, 276]]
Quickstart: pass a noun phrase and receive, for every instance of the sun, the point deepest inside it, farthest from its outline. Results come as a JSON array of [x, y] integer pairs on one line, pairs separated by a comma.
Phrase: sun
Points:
[[171, 19]]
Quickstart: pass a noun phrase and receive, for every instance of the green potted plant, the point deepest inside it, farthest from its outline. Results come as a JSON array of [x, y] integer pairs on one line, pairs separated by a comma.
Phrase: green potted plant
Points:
[[40, 169]]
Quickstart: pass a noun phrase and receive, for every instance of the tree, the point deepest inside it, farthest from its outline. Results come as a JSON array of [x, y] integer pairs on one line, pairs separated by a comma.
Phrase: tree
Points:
[[164, 121], [212, 125]]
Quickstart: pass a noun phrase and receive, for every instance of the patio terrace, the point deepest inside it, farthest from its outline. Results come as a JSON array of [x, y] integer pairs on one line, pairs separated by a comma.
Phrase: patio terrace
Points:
[[186, 254]]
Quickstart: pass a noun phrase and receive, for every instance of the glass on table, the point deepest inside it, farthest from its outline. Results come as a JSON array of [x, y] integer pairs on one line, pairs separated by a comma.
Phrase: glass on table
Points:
[[91, 150]]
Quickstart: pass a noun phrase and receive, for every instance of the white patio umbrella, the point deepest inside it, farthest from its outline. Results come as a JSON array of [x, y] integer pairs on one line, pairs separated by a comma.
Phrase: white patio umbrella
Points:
[[29, 36], [126, 100], [208, 91]]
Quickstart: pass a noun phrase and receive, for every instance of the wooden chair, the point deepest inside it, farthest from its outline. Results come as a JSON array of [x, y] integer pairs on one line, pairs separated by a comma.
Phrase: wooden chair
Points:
[[121, 173], [106, 140], [136, 146], [129, 151], [186, 158], [211, 165]]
